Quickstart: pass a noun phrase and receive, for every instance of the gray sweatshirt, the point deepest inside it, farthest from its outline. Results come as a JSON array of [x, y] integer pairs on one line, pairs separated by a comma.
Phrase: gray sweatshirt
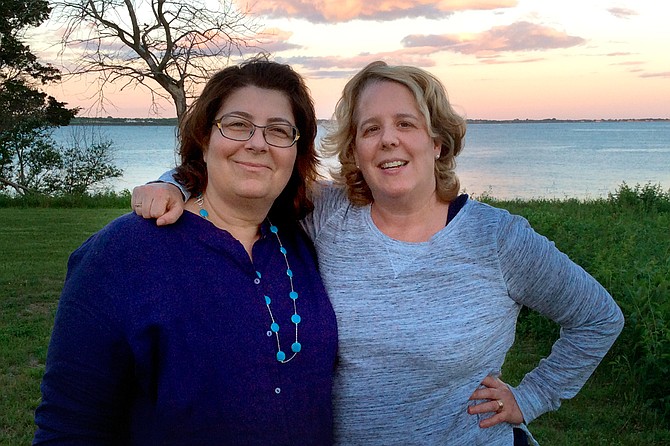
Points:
[[422, 324]]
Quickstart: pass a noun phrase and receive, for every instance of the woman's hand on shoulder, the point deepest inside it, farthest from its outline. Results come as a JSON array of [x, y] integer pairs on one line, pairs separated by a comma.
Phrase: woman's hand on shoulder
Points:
[[500, 401], [162, 201]]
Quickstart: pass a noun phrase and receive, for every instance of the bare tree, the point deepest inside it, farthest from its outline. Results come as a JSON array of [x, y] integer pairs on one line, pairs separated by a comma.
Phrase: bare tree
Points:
[[176, 44]]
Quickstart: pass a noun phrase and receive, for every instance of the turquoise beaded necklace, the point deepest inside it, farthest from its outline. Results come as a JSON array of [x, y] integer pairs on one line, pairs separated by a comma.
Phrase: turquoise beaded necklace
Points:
[[293, 295]]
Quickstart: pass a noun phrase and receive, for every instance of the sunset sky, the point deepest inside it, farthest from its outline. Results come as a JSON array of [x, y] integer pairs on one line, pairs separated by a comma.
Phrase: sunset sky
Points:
[[499, 59]]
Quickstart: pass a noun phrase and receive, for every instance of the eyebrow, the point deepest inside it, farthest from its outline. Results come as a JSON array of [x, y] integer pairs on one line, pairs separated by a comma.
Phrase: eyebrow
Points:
[[248, 116], [396, 116]]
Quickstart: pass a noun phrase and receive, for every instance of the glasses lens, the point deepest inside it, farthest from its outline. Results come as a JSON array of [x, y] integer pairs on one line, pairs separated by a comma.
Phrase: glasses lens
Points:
[[280, 135], [236, 128], [241, 129]]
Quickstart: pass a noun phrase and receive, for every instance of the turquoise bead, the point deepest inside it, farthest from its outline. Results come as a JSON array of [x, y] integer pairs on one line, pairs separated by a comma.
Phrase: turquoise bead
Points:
[[295, 318], [204, 213]]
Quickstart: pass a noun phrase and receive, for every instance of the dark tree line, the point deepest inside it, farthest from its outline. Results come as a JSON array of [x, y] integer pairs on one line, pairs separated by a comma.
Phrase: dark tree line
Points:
[[30, 161], [169, 47]]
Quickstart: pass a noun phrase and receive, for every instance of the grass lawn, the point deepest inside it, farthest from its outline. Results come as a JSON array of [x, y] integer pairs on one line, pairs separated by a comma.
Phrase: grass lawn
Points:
[[35, 245]]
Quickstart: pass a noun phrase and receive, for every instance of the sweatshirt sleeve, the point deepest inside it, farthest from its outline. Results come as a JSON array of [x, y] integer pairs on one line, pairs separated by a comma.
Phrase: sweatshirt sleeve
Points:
[[328, 199], [84, 388], [168, 177], [541, 277]]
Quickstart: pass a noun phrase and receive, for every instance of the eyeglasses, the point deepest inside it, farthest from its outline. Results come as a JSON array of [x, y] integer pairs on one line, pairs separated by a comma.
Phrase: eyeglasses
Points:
[[241, 129]]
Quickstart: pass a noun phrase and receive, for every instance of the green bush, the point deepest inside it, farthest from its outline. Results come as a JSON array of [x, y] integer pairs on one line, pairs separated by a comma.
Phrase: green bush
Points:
[[623, 242], [101, 200]]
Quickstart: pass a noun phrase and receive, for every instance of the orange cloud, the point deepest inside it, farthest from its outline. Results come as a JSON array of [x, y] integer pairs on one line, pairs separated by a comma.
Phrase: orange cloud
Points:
[[335, 11], [274, 40], [520, 36]]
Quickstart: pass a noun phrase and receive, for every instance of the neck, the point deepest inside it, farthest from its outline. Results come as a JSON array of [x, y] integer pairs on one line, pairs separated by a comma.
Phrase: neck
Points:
[[242, 222], [415, 222]]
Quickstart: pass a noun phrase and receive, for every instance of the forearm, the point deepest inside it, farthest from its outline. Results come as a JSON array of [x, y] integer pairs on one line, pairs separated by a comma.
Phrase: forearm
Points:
[[573, 359], [84, 393], [546, 280], [168, 177]]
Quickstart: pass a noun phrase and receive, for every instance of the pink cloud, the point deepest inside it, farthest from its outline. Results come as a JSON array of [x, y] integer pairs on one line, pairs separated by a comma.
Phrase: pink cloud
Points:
[[274, 40], [520, 36], [335, 11], [663, 74], [496, 61], [622, 13], [630, 63], [343, 67]]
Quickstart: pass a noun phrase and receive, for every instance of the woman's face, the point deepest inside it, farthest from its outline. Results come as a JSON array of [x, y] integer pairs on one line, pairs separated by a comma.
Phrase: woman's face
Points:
[[238, 171], [393, 149]]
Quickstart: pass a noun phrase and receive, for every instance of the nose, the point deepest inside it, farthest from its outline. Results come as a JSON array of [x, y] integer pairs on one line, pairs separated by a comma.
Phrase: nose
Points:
[[389, 137], [257, 141]]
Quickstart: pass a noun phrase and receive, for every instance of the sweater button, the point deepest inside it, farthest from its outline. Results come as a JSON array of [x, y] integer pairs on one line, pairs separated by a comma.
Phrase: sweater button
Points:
[[277, 390]]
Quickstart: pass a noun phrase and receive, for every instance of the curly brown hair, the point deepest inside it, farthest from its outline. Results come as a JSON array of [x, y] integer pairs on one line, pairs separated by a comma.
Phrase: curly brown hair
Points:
[[441, 120]]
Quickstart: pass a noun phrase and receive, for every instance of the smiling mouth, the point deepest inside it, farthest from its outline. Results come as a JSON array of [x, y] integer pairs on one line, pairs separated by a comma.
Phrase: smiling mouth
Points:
[[392, 164], [252, 165]]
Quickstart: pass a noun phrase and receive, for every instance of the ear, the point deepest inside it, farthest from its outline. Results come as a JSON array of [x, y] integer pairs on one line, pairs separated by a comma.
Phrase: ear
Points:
[[205, 151], [437, 148]]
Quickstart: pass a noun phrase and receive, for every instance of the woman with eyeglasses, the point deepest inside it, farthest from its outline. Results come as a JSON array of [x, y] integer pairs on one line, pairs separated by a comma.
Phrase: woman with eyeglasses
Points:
[[217, 329]]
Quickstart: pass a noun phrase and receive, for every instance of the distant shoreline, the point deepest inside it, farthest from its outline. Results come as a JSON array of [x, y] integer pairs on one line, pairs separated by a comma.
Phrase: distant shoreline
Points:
[[173, 121]]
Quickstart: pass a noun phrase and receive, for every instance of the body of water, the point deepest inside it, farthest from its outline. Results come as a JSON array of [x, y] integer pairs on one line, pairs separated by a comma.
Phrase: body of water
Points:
[[524, 160]]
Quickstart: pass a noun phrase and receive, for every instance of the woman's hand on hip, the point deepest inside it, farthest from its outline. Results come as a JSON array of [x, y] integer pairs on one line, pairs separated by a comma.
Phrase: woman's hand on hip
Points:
[[500, 401]]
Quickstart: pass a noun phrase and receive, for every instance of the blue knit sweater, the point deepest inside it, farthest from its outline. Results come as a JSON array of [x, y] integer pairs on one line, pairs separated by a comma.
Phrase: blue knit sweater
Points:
[[162, 336]]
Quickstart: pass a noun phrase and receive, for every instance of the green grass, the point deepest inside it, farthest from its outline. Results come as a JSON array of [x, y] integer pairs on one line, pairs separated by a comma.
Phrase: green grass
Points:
[[35, 245], [623, 241]]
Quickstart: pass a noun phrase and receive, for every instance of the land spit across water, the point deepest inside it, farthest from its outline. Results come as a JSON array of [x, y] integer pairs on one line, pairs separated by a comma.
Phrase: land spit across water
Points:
[[173, 121]]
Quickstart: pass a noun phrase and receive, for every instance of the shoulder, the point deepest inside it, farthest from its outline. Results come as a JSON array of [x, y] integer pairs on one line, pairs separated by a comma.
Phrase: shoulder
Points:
[[329, 200], [123, 231], [327, 193], [486, 214], [489, 224], [128, 237]]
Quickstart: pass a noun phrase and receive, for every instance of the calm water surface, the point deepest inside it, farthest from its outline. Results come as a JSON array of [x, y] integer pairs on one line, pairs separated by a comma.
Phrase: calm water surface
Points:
[[524, 160]]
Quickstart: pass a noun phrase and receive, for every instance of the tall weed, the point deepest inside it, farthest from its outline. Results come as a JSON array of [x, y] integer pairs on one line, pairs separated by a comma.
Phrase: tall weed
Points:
[[624, 242]]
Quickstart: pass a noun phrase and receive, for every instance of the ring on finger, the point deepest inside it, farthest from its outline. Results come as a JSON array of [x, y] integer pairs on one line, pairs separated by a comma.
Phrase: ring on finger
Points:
[[501, 405]]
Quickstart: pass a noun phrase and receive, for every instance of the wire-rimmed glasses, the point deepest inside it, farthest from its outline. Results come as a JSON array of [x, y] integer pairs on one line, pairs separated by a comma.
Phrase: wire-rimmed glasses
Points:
[[241, 129]]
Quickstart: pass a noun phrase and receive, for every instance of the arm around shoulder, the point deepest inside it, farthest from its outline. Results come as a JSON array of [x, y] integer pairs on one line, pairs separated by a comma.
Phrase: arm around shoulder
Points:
[[162, 200]]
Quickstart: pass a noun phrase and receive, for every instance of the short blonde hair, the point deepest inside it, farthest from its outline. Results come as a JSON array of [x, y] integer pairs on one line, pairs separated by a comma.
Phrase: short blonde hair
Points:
[[442, 122]]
